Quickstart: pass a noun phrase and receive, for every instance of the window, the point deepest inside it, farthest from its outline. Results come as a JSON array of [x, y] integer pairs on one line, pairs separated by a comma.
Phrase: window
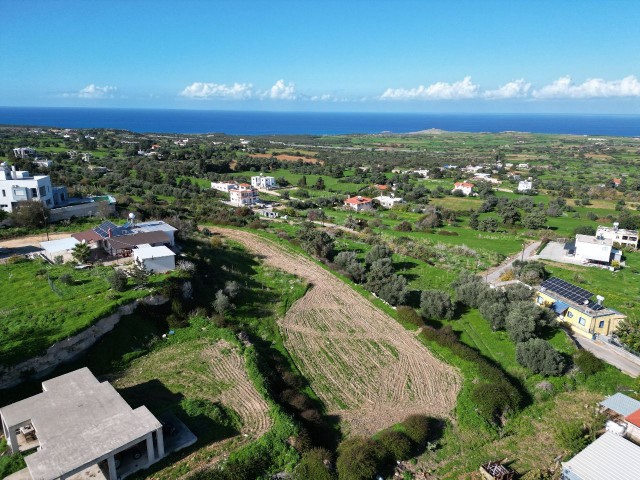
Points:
[[601, 324], [582, 321], [34, 193], [569, 314], [4, 194], [540, 300], [43, 191]]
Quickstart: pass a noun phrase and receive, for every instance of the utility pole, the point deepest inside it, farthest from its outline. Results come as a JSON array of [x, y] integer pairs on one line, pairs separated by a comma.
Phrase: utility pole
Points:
[[46, 224], [523, 246]]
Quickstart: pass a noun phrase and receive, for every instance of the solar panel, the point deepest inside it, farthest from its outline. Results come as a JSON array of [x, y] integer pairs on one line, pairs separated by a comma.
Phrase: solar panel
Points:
[[116, 231], [567, 290]]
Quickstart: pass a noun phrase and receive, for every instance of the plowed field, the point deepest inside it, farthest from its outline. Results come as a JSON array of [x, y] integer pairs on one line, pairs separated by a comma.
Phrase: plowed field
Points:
[[364, 366]]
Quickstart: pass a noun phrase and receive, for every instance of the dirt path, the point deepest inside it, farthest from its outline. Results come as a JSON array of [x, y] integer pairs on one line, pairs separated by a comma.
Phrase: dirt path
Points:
[[32, 240], [493, 276], [364, 366]]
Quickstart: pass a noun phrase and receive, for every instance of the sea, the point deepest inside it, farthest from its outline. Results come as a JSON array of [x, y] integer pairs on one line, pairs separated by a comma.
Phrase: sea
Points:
[[314, 123]]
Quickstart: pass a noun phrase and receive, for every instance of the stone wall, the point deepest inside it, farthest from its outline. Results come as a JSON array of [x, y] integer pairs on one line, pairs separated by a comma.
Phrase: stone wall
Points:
[[90, 209], [66, 350]]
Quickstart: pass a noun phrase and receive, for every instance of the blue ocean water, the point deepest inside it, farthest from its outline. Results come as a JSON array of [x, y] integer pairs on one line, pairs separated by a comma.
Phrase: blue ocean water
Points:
[[283, 123]]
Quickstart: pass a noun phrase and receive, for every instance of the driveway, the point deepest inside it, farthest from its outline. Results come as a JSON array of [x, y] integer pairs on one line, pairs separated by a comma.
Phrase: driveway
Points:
[[493, 276], [604, 351]]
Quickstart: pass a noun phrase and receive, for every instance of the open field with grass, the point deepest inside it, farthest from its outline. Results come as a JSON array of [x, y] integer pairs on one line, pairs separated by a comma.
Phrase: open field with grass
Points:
[[363, 365], [38, 309]]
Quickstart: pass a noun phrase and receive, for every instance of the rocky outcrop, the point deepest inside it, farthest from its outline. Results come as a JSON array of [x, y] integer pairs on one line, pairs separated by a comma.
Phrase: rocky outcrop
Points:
[[68, 349]]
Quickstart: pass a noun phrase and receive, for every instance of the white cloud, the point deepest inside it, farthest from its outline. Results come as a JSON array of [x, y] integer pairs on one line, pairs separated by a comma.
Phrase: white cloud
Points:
[[516, 89], [215, 90], [463, 89], [93, 91], [591, 88], [281, 91]]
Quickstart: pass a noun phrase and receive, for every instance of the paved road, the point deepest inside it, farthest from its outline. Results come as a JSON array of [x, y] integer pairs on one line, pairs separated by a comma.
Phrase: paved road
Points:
[[609, 354], [493, 277]]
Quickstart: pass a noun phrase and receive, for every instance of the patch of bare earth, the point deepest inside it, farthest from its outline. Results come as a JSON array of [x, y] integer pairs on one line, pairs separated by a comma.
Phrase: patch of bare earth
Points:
[[211, 371], [364, 366], [287, 158]]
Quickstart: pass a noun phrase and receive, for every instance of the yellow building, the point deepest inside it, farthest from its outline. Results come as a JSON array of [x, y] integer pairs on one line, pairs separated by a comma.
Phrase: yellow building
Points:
[[576, 309]]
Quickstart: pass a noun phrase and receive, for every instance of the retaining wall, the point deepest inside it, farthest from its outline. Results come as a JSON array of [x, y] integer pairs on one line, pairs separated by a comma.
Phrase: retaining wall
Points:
[[68, 349]]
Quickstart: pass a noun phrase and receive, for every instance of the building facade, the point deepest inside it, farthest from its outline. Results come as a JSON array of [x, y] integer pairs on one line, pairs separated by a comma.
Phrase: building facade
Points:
[[358, 203], [622, 236], [596, 249], [574, 308], [465, 187], [266, 183], [388, 201], [243, 196], [19, 186]]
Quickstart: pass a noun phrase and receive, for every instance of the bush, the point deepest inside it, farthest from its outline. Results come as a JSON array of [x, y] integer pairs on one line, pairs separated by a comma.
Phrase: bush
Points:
[[416, 427], [315, 464], [571, 436], [495, 399], [403, 227], [409, 315], [66, 279], [359, 459], [397, 444], [540, 357], [436, 305], [587, 362], [118, 280]]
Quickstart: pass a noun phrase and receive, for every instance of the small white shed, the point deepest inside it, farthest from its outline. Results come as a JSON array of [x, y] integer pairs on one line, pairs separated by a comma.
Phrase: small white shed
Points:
[[61, 247], [155, 259]]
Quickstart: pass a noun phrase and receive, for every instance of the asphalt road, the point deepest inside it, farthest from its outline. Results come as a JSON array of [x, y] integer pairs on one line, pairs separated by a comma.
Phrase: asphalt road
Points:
[[493, 277], [608, 353]]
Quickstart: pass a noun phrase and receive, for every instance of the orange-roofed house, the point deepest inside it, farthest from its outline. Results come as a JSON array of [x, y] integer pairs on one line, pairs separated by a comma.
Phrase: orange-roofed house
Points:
[[616, 182], [382, 188], [633, 425], [465, 187], [358, 203]]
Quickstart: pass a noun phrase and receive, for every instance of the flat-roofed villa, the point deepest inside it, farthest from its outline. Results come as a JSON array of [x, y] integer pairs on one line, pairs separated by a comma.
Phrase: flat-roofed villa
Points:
[[78, 423]]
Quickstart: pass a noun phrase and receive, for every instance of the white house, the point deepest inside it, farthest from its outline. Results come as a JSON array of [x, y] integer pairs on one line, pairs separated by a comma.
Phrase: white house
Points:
[[266, 183], [244, 195], [422, 172], [20, 186], [358, 203], [619, 235], [525, 185], [388, 201], [596, 249], [523, 166], [224, 186], [24, 152], [155, 259], [43, 162], [465, 187]]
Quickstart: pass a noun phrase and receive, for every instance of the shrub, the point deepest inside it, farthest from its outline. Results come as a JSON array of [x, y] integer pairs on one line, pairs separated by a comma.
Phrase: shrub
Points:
[[587, 362], [409, 315], [66, 279], [416, 427], [359, 459], [540, 357], [118, 280], [397, 444], [436, 305], [403, 227], [315, 464], [571, 436]]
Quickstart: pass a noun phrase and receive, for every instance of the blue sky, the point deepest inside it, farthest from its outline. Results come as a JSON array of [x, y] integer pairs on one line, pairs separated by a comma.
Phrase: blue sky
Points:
[[307, 55]]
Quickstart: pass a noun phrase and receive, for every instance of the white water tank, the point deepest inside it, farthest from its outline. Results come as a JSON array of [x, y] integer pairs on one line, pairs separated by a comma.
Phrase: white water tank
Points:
[[616, 428]]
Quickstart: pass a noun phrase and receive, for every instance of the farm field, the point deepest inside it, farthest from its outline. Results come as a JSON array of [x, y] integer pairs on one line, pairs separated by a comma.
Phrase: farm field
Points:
[[364, 366]]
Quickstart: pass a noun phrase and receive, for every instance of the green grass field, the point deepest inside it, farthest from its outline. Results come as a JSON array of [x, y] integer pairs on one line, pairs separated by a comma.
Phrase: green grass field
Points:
[[39, 310]]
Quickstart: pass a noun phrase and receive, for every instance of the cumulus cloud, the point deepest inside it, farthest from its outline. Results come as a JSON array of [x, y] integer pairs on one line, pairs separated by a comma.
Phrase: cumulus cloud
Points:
[[564, 87], [463, 89], [516, 89], [203, 90], [281, 91], [93, 91]]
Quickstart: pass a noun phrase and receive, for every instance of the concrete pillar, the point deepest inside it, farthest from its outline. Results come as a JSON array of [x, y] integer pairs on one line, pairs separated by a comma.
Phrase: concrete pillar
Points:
[[111, 462], [160, 440], [13, 439], [150, 455]]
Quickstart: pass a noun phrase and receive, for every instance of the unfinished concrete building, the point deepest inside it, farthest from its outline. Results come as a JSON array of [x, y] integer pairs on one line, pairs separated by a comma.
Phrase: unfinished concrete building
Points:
[[78, 423]]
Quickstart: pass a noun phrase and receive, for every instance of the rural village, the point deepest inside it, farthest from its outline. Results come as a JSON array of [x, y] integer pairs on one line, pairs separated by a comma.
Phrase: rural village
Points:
[[418, 306]]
